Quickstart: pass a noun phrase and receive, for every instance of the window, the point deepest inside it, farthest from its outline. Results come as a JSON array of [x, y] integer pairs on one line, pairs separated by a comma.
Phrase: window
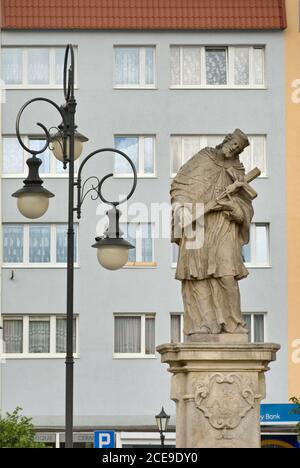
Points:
[[33, 66], [37, 335], [256, 326], [36, 244], [257, 252], [177, 335], [14, 158], [134, 67], [141, 150], [183, 147], [213, 67], [134, 335], [141, 236]]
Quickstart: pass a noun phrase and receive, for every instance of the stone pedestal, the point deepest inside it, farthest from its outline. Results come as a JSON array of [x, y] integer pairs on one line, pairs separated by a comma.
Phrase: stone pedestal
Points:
[[218, 388]]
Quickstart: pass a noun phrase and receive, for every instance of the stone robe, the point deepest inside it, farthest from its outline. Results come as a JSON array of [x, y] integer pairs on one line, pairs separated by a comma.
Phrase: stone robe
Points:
[[210, 274]]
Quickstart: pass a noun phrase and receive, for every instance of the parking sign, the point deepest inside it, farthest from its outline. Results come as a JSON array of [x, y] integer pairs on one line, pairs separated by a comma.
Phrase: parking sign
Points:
[[104, 439]]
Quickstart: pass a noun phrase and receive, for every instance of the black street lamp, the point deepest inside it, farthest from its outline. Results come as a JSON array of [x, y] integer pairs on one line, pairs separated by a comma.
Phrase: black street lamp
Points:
[[33, 202], [162, 421]]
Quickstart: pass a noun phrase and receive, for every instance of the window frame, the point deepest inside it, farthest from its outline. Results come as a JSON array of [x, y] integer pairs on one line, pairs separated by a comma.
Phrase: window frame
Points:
[[26, 246], [204, 142], [141, 147], [253, 315], [142, 63], [43, 317], [252, 242], [139, 246], [229, 66], [52, 62], [53, 174], [142, 354]]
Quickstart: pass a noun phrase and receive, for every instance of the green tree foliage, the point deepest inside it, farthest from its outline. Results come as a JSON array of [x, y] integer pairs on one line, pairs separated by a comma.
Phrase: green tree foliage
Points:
[[17, 431], [296, 401]]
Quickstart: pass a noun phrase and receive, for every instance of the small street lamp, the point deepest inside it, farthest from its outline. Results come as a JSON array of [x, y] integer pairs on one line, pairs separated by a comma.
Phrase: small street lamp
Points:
[[162, 421], [33, 201]]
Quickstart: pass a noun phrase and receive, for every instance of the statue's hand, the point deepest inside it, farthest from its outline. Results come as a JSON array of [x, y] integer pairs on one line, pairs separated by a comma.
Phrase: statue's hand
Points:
[[232, 211]]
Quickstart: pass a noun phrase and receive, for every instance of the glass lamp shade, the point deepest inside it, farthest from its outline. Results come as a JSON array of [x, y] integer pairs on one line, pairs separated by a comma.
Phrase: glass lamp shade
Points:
[[33, 205], [112, 254], [57, 146], [162, 421]]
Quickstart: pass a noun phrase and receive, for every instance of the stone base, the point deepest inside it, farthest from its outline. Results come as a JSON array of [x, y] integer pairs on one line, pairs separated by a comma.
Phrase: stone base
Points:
[[218, 388], [224, 338]]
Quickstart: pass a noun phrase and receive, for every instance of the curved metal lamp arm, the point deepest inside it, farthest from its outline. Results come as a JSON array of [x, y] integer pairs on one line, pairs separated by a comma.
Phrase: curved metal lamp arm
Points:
[[46, 131], [69, 96], [81, 195]]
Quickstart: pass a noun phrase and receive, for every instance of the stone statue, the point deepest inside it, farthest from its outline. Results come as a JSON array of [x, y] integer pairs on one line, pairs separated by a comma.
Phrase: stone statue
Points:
[[214, 178]]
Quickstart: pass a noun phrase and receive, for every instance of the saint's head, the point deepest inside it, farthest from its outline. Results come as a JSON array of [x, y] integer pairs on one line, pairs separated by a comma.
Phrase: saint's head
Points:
[[234, 144]]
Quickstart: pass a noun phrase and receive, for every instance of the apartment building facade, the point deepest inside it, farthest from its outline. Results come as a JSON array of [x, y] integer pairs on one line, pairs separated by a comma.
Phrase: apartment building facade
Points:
[[158, 83]]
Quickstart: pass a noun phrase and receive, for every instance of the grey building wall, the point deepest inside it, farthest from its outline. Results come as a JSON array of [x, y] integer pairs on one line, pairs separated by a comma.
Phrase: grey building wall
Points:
[[130, 392]]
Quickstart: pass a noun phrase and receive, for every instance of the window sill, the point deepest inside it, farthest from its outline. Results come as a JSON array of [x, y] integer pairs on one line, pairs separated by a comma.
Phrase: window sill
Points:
[[134, 88], [141, 265], [222, 88], [33, 87], [18, 266], [258, 267], [134, 356], [139, 176], [44, 176], [35, 356]]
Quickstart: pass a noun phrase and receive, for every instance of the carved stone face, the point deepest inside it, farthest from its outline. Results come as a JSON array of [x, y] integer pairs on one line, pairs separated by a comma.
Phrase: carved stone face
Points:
[[231, 148]]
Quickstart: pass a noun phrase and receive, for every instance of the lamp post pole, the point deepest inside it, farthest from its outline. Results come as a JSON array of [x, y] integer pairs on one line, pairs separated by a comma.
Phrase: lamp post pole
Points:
[[33, 202]]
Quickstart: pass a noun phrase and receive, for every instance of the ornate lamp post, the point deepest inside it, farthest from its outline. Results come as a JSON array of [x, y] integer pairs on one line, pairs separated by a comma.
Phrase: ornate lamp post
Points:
[[162, 421], [33, 202]]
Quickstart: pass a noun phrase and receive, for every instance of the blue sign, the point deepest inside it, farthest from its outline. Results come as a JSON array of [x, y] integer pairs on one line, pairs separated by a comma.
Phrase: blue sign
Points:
[[278, 414], [104, 439]]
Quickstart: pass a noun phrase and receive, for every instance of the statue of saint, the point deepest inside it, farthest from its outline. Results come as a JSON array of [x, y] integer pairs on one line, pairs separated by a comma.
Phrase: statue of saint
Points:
[[214, 178]]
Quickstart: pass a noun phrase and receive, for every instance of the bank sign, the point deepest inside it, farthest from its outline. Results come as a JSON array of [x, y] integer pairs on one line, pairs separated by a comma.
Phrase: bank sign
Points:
[[279, 414]]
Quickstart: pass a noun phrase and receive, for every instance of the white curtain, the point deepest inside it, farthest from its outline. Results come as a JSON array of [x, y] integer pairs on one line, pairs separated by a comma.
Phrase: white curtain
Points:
[[61, 335], [216, 67], [147, 247], [258, 150], [259, 54], [259, 329], [127, 335], [175, 328], [127, 65], [39, 244], [241, 66], [38, 66], [13, 336], [191, 58], [12, 66], [149, 72], [13, 156], [39, 337], [130, 235], [149, 155], [150, 335], [12, 243], [59, 65]]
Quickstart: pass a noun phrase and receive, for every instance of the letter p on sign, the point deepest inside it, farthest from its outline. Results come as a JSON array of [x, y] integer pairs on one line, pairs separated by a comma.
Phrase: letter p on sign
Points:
[[104, 439]]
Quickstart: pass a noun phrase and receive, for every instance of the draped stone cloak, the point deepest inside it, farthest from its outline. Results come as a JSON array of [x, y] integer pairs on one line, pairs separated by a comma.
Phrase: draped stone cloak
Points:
[[201, 180]]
